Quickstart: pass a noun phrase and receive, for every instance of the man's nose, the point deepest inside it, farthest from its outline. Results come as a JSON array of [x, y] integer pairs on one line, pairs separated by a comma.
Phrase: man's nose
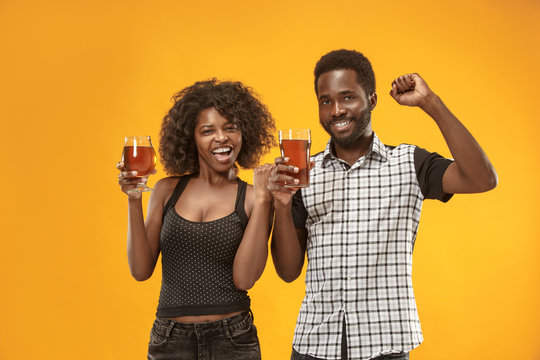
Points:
[[337, 109]]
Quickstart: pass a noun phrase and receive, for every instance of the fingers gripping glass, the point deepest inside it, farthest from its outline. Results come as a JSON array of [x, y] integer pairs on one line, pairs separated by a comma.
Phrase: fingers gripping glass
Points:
[[139, 156], [295, 144]]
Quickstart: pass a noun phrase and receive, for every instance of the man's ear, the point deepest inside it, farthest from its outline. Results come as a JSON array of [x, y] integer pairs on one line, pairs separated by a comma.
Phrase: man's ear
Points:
[[373, 100]]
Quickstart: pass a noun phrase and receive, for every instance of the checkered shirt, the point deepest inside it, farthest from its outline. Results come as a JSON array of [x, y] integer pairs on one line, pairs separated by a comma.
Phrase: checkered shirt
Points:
[[362, 222]]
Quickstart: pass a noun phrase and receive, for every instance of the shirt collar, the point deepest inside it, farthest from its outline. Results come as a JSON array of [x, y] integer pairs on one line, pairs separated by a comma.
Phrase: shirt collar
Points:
[[376, 148]]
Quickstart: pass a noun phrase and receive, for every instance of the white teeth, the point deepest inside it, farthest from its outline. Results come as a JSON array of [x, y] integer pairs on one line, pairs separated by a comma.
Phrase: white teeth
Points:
[[342, 124], [221, 150]]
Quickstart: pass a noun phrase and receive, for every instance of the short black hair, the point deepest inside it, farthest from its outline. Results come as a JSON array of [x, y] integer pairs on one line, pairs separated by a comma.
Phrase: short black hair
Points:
[[236, 102], [347, 59]]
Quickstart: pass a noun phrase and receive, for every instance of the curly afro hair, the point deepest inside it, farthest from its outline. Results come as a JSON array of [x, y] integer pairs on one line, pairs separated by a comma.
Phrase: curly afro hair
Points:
[[347, 59], [235, 102]]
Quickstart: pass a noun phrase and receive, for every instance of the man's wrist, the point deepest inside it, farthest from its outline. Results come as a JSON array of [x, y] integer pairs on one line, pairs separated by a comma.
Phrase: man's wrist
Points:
[[279, 206], [430, 103]]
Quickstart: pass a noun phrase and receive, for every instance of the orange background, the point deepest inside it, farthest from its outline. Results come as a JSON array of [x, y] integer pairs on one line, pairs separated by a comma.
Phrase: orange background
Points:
[[78, 76]]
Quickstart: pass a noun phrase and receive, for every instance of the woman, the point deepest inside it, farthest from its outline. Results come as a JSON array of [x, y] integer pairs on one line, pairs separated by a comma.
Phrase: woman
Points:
[[211, 227]]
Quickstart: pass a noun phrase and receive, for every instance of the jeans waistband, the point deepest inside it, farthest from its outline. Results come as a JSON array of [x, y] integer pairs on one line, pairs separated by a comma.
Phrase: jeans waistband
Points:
[[205, 329]]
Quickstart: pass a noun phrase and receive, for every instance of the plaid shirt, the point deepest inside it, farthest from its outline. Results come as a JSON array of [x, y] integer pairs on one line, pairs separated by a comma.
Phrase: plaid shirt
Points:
[[362, 222]]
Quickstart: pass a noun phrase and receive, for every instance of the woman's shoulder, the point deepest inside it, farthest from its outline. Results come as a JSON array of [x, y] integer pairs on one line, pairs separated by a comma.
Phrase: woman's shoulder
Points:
[[165, 186], [169, 181], [249, 187], [249, 200], [249, 190]]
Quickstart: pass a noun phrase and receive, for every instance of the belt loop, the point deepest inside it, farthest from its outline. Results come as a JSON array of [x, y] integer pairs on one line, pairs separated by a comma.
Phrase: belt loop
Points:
[[169, 329], [226, 328], [252, 316]]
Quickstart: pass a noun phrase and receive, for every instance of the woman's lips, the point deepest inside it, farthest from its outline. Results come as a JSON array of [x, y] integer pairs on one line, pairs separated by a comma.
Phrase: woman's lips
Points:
[[222, 153]]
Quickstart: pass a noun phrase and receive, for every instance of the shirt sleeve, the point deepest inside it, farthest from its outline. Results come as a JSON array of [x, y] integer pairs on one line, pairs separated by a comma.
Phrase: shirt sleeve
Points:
[[430, 168], [299, 212]]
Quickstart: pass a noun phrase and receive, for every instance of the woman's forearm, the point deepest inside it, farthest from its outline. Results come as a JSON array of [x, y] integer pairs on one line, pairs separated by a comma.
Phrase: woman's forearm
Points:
[[141, 256]]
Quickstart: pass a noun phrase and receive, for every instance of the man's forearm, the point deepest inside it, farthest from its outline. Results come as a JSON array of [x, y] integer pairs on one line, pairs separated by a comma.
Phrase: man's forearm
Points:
[[474, 172], [287, 249]]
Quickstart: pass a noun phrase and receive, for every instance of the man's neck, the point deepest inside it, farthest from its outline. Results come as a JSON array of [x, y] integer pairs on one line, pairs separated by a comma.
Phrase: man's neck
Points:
[[355, 151]]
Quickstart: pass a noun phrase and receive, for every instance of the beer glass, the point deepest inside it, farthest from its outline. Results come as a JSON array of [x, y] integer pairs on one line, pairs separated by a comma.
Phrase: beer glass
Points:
[[139, 155], [295, 144]]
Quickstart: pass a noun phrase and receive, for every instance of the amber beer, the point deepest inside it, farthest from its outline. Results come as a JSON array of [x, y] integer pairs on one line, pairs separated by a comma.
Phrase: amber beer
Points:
[[139, 156], [295, 144]]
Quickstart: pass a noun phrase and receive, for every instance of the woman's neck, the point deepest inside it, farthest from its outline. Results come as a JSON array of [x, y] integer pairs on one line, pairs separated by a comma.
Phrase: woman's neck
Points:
[[215, 178]]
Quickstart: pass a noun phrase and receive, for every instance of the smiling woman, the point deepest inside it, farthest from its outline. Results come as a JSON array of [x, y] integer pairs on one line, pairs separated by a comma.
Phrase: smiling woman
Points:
[[218, 140], [211, 227], [233, 101]]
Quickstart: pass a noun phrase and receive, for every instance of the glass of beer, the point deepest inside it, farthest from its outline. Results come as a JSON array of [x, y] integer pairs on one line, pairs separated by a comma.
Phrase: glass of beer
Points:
[[295, 144], [139, 156]]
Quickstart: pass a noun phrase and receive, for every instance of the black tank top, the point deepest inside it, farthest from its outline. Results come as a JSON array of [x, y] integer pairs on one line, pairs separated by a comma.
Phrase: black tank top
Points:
[[197, 260]]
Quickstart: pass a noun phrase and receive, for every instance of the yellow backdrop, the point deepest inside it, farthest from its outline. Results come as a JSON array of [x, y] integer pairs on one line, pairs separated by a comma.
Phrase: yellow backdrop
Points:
[[78, 76]]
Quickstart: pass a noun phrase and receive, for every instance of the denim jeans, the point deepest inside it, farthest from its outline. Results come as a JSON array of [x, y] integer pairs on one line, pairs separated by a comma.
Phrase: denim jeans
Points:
[[402, 356], [297, 356], [231, 338]]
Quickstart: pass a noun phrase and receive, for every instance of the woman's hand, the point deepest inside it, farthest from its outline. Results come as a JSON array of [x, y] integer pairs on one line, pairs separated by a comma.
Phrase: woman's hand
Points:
[[260, 181], [276, 183], [128, 180]]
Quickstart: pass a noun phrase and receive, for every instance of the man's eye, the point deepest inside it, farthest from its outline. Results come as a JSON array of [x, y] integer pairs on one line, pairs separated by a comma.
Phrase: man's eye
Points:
[[325, 102], [348, 97]]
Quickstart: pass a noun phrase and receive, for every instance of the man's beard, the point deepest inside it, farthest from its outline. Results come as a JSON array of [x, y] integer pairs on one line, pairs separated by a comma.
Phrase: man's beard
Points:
[[360, 123]]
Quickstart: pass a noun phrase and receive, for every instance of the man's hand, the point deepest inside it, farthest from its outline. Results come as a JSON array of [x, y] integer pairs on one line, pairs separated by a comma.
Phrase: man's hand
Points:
[[411, 90], [471, 171]]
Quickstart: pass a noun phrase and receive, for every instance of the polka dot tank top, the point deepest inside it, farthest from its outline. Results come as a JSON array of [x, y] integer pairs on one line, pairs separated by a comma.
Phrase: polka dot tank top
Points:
[[197, 260]]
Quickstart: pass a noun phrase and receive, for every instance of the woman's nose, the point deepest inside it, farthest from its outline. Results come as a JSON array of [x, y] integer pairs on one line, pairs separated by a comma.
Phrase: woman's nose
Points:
[[221, 136]]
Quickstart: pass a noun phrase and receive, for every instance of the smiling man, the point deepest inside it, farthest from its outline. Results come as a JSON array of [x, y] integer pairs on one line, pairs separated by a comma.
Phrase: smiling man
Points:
[[358, 220]]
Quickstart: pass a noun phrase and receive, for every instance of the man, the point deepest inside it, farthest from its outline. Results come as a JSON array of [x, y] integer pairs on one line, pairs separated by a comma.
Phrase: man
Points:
[[358, 219]]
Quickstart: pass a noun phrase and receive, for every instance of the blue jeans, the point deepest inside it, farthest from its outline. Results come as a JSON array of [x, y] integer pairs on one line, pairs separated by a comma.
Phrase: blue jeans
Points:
[[231, 338]]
